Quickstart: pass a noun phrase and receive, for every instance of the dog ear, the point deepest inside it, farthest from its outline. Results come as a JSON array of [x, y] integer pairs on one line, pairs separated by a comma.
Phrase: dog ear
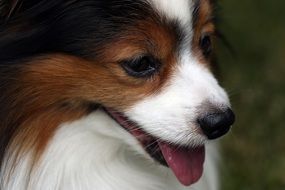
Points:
[[8, 8]]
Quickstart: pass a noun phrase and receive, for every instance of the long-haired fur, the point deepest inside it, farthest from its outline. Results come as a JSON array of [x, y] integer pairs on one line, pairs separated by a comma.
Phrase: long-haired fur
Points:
[[61, 60]]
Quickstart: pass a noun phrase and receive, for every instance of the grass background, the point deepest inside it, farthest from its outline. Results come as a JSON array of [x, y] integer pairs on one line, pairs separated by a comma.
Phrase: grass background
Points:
[[254, 151]]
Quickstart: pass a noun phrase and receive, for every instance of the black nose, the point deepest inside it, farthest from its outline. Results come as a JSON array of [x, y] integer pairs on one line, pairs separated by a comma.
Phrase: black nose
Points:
[[215, 125]]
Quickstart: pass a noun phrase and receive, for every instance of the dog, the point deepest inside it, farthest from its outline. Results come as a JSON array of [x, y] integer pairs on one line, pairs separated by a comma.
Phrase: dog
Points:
[[109, 95]]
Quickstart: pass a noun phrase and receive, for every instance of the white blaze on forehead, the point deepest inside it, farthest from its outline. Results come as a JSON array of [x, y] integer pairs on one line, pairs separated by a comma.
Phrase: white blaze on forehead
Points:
[[174, 9]]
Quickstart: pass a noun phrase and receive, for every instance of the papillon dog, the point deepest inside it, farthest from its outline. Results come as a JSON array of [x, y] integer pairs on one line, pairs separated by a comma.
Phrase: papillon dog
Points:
[[109, 95]]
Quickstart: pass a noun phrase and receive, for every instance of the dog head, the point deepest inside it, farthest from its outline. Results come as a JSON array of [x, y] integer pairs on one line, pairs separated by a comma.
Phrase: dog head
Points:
[[146, 62]]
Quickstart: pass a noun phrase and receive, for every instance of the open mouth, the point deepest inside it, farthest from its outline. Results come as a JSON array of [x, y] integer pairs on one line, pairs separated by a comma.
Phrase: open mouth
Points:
[[186, 163]]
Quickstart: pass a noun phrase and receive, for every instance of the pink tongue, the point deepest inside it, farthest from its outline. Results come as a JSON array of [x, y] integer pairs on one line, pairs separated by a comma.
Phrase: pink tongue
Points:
[[186, 164]]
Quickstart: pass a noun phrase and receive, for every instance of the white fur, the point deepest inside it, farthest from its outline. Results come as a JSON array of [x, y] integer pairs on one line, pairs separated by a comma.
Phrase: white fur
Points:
[[95, 153], [172, 114], [179, 11], [174, 9]]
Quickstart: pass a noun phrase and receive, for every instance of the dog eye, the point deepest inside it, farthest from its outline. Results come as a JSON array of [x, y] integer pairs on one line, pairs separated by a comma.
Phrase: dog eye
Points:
[[141, 67], [206, 45]]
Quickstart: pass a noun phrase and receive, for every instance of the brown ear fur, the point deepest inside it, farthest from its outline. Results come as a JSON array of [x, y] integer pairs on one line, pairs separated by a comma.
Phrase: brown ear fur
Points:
[[31, 110]]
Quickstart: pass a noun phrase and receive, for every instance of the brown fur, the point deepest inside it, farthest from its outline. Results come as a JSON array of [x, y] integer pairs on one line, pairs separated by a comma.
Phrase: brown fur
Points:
[[43, 92], [40, 93], [203, 24]]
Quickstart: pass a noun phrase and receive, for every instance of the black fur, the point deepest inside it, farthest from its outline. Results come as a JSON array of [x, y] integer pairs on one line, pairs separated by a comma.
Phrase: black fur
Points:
[[30, 28], [77, 27]]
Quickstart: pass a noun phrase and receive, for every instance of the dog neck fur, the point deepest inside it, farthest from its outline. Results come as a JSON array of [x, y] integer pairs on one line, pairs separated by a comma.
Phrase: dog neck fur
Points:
[[71, 162]]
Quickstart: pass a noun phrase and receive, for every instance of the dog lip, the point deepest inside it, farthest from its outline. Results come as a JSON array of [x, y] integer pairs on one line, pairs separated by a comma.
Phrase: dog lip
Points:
[[148, 142], [185, 162]]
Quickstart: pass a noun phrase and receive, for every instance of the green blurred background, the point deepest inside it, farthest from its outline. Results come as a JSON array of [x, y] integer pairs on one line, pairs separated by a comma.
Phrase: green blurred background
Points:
[[254, 151]]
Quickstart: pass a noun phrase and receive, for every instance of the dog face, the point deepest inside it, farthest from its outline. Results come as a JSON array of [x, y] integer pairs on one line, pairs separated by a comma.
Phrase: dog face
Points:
[[147, 62]]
